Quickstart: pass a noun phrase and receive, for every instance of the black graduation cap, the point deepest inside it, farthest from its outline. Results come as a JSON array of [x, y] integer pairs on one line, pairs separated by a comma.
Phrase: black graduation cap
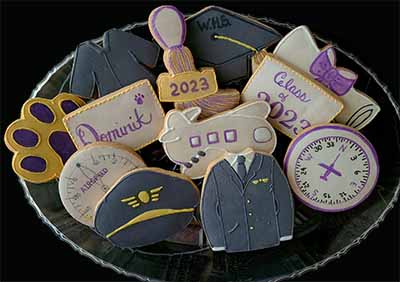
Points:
[[230, 60], [122, 59]]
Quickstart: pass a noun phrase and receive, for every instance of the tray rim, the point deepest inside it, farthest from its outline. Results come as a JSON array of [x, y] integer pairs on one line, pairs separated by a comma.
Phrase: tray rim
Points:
[[293, 274]]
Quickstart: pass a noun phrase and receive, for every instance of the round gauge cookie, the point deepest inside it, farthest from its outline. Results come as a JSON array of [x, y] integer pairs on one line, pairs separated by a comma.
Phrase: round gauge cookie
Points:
[[89, 174], [331, 167]]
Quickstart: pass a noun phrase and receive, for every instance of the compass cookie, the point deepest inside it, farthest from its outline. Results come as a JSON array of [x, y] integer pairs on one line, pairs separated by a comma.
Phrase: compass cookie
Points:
[[38, 138], [146, 206], [331, 167], [90, 173]]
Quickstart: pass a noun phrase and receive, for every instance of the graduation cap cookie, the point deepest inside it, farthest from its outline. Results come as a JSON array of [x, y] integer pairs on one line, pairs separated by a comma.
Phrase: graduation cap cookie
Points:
[[144, 208], [184, 84], [226, 41], [123, 59]]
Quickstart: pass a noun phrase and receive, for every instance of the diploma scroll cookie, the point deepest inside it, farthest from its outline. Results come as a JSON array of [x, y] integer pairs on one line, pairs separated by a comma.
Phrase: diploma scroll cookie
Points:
[[194, 144], [296, 101], [132, 116], [143, 208], [299, 49], [184, 84], [39, 139], [89, 174]]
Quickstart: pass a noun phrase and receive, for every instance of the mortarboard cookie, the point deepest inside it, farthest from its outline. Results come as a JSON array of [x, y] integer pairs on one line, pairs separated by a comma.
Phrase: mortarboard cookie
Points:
[[226, 41]]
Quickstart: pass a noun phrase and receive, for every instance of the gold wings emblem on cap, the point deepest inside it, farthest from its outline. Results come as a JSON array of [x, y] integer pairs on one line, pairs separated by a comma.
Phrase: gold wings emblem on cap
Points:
[[143, 197]]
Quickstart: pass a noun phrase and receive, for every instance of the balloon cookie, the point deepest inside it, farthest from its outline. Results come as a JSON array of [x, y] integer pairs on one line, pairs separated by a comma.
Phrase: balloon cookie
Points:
[[184, 84], [123, 59], [146, 206], [299, 49], [296, 101], [39, 140], [88, 175], [194, 144], [331, 167], [132, 116]]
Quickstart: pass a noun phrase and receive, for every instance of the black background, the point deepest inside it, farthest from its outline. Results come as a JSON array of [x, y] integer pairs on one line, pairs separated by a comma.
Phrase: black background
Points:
[[36, 36]]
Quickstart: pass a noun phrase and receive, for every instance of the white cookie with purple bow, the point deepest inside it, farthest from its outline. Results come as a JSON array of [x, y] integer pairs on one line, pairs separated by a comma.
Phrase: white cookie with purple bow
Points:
[[299, 49]]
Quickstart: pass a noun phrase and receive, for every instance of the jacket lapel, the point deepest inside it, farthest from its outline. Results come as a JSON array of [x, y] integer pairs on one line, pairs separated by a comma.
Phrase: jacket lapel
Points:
[[233, 175], [255, 166]]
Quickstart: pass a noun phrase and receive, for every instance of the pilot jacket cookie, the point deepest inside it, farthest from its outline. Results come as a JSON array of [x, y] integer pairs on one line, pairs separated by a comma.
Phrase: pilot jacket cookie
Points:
[[131, 116], [146, 206], [194, 144], [299, 49], [89, 174], [39, 140], [122, 60], [246, 203]]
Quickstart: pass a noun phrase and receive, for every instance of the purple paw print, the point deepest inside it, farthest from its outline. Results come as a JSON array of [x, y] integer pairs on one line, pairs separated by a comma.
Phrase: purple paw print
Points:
[[139, 98]]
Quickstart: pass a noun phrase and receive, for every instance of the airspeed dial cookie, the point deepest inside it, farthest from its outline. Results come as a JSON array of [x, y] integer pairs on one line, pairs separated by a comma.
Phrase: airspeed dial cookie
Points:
[[331, 167], [89, 174]]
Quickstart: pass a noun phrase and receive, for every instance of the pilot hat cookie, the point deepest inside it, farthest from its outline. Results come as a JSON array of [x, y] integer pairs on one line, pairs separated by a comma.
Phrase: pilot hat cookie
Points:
[[122, 59], [89, 173], [39, 139], [131, 115], [227, 41], [194, 144], [183, 84], [299, 49], [146, 206], [296, 101]]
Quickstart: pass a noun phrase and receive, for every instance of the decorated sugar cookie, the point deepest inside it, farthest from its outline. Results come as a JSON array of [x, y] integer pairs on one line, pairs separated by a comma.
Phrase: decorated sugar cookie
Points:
[[296, 101], [89, 174], [194, 144], [183, 83], [331, 167], [299, 49], [146, 206], [123, 59], [246, 203], [132, 116], [39, 140], [227, 41]]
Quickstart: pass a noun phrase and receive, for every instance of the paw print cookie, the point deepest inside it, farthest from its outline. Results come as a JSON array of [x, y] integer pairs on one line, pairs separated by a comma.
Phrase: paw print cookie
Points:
[[39, 140]]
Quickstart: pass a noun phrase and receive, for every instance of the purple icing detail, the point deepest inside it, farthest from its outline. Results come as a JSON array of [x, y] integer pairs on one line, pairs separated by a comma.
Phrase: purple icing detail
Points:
[[338, 127], [255, 132], [229, 139], [211, 141], [68, 106], [157, 35], [325, 71], [42, 112], [139, 98], [33, 164], [195, 141], [25, 137], [62, 144]]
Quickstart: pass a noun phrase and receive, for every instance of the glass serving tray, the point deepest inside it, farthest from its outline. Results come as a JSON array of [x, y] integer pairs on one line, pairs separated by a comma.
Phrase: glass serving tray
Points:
[[318, 238]]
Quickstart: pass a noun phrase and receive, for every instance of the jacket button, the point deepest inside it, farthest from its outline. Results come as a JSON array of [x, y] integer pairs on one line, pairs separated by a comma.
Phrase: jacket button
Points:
[[251, 227], [248, 201], [250, 213]]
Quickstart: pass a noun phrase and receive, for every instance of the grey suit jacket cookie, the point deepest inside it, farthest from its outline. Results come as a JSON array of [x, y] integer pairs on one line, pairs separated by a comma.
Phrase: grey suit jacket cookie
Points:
[[146, 206], [123, 60], [247, 216]]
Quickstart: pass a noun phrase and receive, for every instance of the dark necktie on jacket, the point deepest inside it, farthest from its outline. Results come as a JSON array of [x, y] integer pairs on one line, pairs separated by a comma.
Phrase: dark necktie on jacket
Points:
[[241, 168]]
